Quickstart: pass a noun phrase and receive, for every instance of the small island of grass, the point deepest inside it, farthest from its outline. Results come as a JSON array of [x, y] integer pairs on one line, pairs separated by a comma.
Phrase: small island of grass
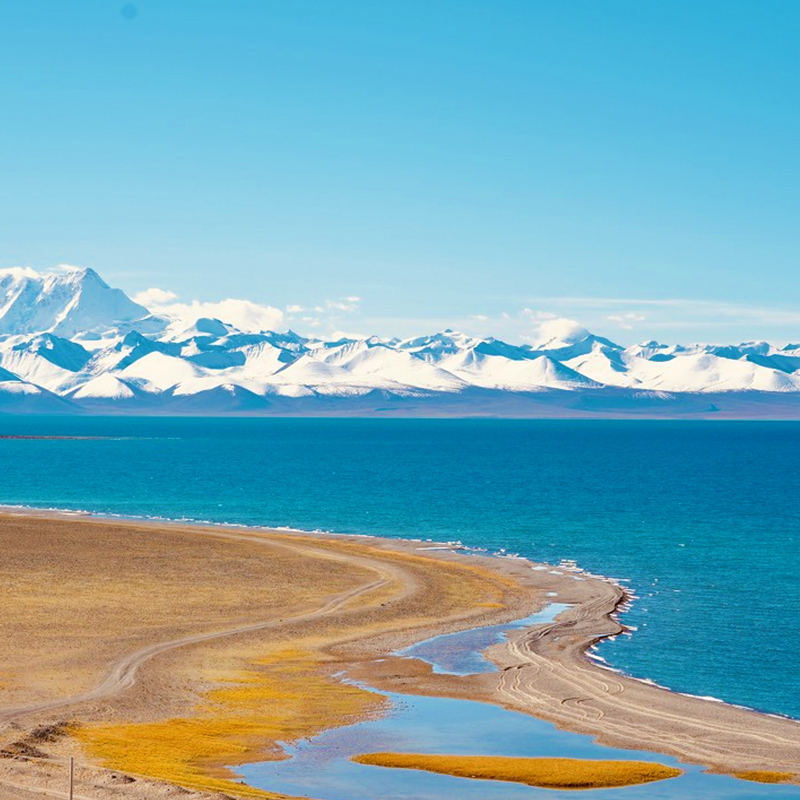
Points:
[[547, 773]]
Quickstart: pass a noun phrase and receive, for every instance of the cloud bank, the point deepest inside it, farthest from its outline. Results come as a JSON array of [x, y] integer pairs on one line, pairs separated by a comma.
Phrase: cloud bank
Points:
[[244, 314], [542, 320], [247, 315]]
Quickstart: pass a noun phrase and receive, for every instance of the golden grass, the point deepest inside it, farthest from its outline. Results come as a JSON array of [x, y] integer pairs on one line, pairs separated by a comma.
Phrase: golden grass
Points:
[[78, 595], [763, 776], [283, 698], [547, 773]]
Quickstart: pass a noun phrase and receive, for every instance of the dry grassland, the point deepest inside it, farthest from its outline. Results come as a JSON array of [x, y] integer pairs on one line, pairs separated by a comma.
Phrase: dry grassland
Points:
[[81, 595]]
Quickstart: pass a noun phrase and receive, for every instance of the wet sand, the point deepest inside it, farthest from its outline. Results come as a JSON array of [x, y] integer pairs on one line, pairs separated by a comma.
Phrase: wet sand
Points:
[[132, 631]]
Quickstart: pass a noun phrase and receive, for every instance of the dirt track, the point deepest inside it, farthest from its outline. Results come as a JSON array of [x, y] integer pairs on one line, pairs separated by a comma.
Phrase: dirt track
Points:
[[105, 623], [358, 600]]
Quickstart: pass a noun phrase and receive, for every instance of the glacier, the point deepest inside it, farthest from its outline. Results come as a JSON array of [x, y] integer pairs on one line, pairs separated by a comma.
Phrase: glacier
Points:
[[71, 344]]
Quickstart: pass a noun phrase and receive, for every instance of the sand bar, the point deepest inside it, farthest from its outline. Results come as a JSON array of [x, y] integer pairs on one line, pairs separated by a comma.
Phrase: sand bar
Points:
[[133, 632]]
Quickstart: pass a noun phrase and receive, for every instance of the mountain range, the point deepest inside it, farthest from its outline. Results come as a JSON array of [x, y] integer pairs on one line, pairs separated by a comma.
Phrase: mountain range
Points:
[[69, 343]]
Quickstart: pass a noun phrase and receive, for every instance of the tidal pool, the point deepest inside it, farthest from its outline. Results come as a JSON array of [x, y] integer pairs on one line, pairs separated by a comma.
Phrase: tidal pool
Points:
[[320, 767], [462, 653]]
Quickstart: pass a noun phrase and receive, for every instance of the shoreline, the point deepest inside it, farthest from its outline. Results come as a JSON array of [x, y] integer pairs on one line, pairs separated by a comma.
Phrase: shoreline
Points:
[[295, 646], [567, 566], [547, 671], [685, 720]]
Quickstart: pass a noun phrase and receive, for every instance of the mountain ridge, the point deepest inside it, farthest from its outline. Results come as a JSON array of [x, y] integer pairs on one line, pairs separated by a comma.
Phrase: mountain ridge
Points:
[[69, 343]]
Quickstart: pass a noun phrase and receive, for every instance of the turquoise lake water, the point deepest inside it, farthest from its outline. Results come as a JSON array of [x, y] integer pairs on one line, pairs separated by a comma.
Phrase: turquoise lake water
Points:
[[702, 518]]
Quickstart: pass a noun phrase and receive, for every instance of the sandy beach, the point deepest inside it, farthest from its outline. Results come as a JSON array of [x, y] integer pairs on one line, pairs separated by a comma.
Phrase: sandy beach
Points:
[[167, 652]]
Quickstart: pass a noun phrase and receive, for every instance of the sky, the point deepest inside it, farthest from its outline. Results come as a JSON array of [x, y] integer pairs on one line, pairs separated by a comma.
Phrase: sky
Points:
[[401, 166]]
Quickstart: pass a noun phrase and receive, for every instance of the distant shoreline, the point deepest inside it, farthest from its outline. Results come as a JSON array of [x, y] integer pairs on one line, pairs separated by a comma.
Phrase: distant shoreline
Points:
[[67, 438]]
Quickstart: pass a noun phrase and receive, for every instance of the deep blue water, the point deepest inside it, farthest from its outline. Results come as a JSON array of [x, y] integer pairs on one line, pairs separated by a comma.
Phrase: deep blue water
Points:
[[702, 517]]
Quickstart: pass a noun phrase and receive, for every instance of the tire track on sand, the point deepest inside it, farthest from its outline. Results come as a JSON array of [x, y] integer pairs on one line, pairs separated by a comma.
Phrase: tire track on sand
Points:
[[548, 674], [122, 675]]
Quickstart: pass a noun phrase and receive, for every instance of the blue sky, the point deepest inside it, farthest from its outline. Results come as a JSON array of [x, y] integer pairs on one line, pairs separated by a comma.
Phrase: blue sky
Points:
[[482, 165]]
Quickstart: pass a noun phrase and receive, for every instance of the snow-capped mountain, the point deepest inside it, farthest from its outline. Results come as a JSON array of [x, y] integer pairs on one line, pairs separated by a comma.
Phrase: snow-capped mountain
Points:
[[66, 302], [71, 344]]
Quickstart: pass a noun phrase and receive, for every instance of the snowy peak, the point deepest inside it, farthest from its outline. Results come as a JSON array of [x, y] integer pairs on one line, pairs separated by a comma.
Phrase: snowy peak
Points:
[[437, 346], [68, 341], [66, 302]]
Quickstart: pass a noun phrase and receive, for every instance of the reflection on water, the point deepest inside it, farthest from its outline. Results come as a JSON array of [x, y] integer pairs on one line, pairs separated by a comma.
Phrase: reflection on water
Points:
[[321, 768]]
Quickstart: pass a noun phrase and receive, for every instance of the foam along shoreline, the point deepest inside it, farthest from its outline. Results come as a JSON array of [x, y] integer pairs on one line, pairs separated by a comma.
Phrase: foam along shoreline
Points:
[[544, 671], [568, 566]]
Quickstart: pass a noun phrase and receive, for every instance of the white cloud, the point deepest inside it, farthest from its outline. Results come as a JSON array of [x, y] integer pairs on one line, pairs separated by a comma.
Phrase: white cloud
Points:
[[555, 331], [626, 321], [336, 335], [550, 328], [673, 313], [529, 313], [20, 272], [327, 314], [155, 297], [243, 314], [346, 304], [693, 311]]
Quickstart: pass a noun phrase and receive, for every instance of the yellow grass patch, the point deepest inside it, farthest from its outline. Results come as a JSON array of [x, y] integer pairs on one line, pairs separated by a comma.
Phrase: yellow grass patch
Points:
[[78, 596], [547, 773], [282, 698], [763, 776]]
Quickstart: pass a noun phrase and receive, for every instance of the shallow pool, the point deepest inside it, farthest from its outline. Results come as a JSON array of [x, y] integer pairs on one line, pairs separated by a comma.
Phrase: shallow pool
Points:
[[462, 653], [321, 768]]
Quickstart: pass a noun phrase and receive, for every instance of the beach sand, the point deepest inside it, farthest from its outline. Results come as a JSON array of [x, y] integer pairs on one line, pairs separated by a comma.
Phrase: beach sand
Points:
[[169, 651]]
